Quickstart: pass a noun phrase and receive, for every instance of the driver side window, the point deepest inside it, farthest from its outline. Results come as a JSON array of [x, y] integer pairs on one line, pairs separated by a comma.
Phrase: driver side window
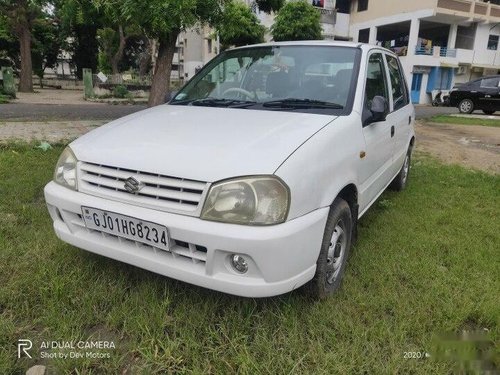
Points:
[[376, 82]]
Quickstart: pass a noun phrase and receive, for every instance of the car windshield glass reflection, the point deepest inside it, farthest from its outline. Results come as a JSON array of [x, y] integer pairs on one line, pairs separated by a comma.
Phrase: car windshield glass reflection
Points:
[[278, 77]]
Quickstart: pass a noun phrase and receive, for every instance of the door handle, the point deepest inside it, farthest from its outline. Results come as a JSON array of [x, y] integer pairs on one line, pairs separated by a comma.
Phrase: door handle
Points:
[[392, 131]]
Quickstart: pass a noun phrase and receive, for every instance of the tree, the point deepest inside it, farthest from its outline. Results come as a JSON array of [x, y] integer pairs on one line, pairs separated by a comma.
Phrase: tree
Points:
[[46, 43], [9, 46], [113, 38], [20, 15], [163, 20], [239, 26], [297, 20], [80, 20]]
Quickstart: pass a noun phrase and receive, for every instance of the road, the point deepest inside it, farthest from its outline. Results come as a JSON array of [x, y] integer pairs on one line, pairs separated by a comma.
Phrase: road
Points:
[[75, 112], [66, 112]]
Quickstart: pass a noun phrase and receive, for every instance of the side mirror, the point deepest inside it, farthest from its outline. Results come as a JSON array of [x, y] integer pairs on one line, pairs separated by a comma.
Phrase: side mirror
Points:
[[379, 109]]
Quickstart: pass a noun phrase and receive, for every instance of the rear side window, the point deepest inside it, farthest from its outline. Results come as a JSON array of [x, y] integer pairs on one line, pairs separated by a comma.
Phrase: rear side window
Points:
[[399, 93], [490, 82]]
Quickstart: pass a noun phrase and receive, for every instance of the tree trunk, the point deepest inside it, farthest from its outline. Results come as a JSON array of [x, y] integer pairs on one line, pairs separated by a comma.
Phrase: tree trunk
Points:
[[26, 74], [161, 78], [145, 59], [117, 57]]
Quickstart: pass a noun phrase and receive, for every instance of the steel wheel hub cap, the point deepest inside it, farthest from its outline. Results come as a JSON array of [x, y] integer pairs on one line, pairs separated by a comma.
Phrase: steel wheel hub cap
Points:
[[406, 168], [336, 252]]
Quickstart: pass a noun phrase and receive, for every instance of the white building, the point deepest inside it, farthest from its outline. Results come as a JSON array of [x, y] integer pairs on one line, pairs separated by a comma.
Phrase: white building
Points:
[[197, 46], [441, 42]]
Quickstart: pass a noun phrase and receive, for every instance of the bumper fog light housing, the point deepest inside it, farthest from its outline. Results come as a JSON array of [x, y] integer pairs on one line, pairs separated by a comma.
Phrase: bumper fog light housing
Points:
[[239, 263]]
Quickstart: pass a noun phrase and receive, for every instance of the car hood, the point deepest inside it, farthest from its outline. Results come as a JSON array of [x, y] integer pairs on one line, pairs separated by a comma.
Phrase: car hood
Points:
[[199, 143]]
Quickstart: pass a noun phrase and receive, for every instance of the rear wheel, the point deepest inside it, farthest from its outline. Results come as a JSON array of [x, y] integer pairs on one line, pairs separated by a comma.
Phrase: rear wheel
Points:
[[335, 249], [466, 106], [401, 180], [488, 111]]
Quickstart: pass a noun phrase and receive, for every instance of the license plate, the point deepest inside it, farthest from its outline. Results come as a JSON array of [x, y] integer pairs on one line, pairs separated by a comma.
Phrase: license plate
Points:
[[127, 227]]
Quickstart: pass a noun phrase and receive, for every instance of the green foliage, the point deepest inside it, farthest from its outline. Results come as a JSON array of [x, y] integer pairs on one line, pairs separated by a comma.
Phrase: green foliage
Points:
[[465, 120], [103, 63], [161, 19], [4, 30], [164, 20], [297, 20], [9, 46], [239, 26], [120, 91], [46, 43], [4, 99], [80, 20], [269, 6], [108, 46]]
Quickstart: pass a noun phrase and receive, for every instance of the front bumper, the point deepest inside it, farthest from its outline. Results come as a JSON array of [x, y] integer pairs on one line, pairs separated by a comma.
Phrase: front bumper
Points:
[[281, 258]]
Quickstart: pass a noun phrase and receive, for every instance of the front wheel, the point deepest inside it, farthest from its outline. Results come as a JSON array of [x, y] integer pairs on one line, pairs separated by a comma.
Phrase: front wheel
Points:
[[335, 249], [466, 106], [488, 111]]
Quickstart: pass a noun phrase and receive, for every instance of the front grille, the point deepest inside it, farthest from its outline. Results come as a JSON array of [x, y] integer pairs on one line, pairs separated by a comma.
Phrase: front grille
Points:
[[158, 191], [179, 250]]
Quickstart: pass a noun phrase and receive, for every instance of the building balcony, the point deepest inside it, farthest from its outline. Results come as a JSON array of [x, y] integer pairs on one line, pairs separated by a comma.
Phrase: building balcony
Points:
[[470, 10], [436, 51]]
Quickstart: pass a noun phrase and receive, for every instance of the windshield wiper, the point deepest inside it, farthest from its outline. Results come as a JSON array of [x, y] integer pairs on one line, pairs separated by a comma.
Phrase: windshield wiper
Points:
[[214, 102], [301, 103]]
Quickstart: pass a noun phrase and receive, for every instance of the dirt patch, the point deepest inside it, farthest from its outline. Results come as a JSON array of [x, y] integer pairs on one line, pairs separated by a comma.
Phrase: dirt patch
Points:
[[52, 96], [472, 146], [51, 132]]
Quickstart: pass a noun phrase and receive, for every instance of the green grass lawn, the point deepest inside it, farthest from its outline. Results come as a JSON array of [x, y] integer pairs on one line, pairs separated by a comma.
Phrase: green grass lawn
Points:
[[424, 277], [446, 119], [4, 99]]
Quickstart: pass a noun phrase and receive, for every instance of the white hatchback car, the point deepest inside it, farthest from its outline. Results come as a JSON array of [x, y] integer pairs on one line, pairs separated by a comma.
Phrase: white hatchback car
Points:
[[251, 179]]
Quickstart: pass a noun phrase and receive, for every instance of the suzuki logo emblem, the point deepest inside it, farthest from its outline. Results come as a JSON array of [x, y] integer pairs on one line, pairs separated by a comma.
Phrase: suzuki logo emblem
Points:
[[132, 185]]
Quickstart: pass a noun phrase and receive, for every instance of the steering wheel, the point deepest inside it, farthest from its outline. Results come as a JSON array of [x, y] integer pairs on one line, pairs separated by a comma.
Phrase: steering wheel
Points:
[[238, 90]]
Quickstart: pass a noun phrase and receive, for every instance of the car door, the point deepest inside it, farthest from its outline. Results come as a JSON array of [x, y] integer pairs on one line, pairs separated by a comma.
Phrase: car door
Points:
[[490, 94], [377, 160], [401, 113]]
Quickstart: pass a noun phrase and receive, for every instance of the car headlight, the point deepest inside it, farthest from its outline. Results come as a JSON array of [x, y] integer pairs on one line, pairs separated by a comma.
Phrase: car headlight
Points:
[[260, 200], [65, 173]]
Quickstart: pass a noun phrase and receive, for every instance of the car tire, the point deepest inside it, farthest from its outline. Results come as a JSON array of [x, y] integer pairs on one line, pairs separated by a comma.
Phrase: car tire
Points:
[[334, 253], [466, 106], [488, 112], [401, 180]]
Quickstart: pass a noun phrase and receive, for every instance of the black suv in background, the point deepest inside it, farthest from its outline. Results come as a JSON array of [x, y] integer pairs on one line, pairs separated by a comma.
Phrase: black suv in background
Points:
[[480, 94]]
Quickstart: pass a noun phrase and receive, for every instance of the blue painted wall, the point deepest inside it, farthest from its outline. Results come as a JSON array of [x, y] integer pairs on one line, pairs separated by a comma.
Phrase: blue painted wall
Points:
[[440, 79]]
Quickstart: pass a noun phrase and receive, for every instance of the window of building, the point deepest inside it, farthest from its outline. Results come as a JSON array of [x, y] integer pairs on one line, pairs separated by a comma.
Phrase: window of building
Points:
[[362, 5], [209, 47], [364, 36], [343, 6], [493, 42], [399, 90], [466, 36]]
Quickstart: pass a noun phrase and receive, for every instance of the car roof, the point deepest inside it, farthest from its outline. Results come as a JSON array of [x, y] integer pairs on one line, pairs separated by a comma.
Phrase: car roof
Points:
[[330, 43]]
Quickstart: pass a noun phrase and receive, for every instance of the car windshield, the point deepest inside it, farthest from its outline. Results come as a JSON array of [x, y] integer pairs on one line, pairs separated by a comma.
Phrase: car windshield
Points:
[[310, 78]]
